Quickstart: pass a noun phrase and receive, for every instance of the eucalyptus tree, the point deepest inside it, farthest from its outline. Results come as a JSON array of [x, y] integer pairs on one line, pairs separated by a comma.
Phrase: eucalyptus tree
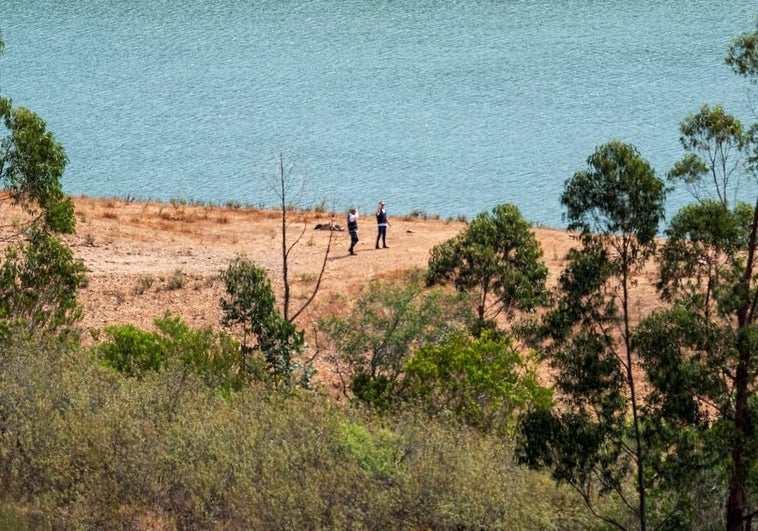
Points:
[[39, 276], [595, 435], [498, 259], [701, 351]]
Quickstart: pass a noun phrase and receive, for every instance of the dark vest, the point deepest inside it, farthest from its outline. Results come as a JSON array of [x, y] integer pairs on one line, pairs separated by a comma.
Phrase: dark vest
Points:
[[352, 226]]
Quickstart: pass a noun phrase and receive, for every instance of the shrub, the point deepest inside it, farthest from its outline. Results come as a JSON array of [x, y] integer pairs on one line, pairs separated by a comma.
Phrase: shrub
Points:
[[144, 283], [387, 324], [378, 453], [132, 351], [86, 448], [215, 357], [483, 381]]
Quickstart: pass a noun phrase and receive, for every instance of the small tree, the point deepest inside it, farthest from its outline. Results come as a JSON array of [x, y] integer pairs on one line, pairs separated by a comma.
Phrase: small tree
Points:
[[39, 276], [496, 257], [388, 323], [250, 304]]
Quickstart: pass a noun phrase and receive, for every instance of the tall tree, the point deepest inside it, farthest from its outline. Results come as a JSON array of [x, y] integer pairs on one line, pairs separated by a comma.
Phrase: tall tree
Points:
[[496, 257], [700, 353], [39, 276], [616, 204]]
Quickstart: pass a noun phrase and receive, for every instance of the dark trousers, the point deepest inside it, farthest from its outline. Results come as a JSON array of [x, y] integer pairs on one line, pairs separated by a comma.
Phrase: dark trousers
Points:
[[353, 240], [382, 235]]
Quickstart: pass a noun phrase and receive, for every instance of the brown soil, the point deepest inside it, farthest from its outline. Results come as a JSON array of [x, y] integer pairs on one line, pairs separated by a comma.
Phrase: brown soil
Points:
[[146, 258]]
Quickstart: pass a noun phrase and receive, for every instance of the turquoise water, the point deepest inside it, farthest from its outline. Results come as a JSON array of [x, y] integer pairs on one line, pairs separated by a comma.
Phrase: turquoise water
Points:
[[446, 107]]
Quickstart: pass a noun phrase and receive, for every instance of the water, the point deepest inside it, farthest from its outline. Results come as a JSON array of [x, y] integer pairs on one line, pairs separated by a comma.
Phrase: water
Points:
[[446, 107]]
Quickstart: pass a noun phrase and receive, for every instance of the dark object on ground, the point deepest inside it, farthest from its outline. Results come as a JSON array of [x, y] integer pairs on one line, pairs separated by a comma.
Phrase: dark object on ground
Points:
[[327, 226]]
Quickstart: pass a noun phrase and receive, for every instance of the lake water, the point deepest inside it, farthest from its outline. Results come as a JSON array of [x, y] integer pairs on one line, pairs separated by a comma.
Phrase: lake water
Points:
[[446, 107]]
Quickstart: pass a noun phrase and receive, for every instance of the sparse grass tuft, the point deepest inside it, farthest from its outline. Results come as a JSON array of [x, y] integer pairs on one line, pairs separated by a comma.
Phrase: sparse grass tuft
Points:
[[308, 278], [144, 283], [176, 280]]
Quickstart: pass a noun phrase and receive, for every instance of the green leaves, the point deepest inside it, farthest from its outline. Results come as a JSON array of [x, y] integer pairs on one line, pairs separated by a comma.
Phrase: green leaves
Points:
[[593, 439], [483, 381], [714, 140], [39, 280], [618, 194], [388, 323], [498, 258], [250, 304], [743, 55], [39, 276], [215, 357], [31, 166]]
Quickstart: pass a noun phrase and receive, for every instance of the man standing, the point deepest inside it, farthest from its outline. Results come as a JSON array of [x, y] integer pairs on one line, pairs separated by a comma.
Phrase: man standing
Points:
[[382, 222], [352, 228]]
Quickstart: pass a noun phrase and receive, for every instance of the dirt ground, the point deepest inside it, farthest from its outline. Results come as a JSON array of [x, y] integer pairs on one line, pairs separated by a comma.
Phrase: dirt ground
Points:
[[146, 258]]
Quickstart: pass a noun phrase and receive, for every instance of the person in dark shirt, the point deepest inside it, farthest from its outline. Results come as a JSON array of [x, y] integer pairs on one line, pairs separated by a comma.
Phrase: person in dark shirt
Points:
[[381, 223], [352, 228]]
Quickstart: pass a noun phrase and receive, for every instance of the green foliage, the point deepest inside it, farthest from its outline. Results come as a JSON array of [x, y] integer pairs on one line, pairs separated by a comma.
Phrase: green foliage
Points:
[[379, 453], [618, 194], [496, 257], [250, 304], [705, 241], [483, 381], [375, 390], [132, 351], [743, 55], [31, 166], [717, 137], [386, 325], [38, 274], [86, 448], [214, 357], [699, 353], [39, 279], [594, 439]]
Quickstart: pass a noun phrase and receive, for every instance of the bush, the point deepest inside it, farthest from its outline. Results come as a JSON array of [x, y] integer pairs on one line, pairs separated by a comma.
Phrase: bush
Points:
[[132, 351], [379, 453], [215, 357], [483, 381], [85, 447]]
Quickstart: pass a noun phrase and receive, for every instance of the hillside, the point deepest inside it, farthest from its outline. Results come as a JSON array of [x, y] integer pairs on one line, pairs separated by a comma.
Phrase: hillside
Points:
[[146, 258]]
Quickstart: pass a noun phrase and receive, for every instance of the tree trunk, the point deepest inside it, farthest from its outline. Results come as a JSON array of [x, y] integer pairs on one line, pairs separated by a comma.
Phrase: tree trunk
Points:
[[737, 510]]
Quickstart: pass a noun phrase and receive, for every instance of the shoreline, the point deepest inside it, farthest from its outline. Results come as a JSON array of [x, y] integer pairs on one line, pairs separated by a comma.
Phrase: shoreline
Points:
[[414, 214]]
